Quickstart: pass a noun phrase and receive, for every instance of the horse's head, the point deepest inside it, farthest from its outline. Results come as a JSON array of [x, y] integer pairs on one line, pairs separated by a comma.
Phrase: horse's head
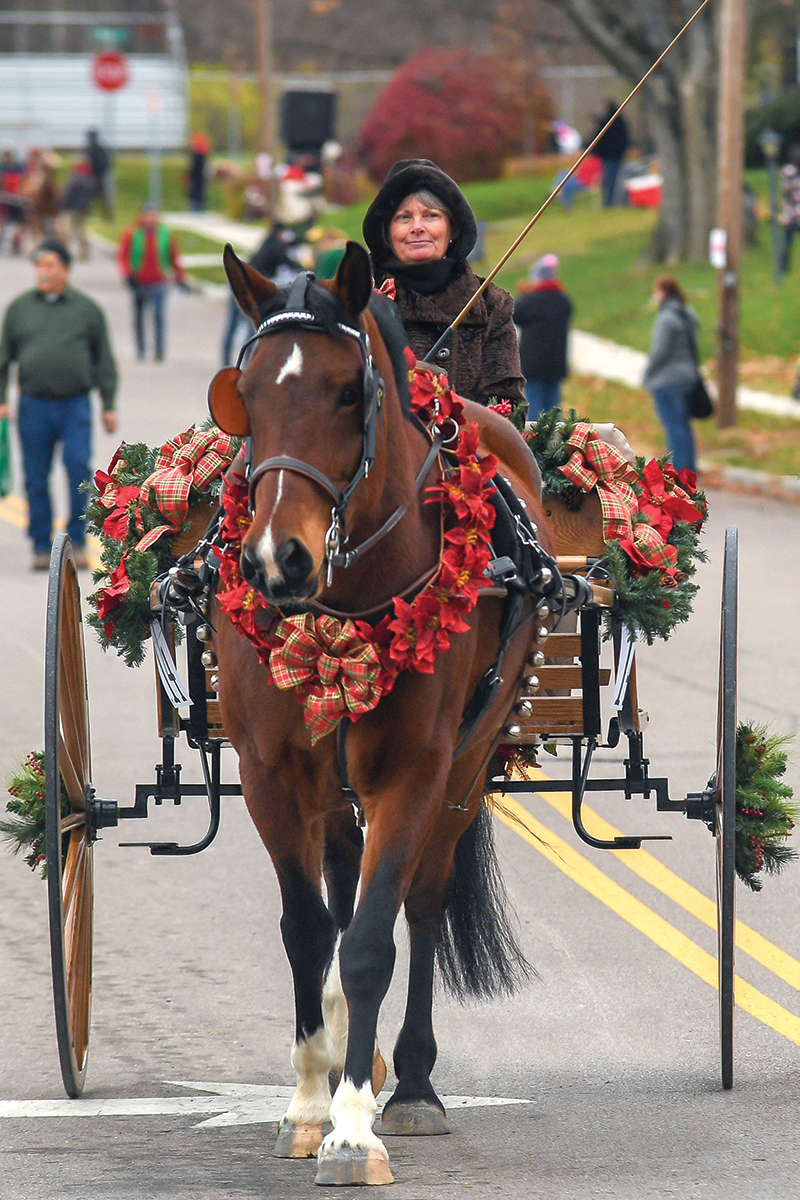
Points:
[[308, 398]]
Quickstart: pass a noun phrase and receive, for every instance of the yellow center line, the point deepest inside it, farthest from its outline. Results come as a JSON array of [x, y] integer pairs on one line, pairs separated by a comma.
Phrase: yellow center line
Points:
[[671, 885], [642, 918]]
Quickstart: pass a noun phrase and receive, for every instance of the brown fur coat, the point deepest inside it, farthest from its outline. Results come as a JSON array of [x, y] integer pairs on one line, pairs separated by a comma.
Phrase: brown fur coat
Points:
[[484, 355]]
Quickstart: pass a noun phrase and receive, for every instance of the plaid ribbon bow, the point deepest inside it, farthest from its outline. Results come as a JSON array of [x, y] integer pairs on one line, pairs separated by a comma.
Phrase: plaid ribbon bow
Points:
[[648, 551], [596, 464], [334, 669], [191, 460]]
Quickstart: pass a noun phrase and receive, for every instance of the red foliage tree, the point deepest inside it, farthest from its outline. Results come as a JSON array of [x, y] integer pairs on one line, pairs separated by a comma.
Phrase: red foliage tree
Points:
[[448, 104]]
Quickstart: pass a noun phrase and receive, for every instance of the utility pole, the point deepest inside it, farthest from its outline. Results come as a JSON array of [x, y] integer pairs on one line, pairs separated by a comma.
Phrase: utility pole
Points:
[[263, 28], [729, 204]]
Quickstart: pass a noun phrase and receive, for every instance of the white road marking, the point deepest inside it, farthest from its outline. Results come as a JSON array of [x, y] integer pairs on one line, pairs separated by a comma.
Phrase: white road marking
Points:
[[236, 1104], [292, 366]]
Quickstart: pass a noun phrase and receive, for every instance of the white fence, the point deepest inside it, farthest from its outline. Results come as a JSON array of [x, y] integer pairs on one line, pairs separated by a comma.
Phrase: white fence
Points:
[[50, 100]]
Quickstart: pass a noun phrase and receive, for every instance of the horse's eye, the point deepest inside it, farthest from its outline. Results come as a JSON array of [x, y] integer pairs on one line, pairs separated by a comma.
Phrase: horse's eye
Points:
[[348, 397]]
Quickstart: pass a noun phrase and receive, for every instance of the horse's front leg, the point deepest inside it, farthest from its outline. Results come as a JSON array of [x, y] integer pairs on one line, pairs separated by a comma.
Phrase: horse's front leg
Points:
[[309, 936], [351, 1153]]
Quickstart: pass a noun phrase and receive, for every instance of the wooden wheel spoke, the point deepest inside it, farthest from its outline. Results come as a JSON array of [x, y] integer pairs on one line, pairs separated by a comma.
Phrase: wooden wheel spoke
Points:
[[72, 721], [72, 872], [74, 821], [72, 777]]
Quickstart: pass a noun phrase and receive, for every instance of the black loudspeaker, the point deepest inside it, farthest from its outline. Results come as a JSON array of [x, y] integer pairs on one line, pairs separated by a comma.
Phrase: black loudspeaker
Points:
[[307, 119]]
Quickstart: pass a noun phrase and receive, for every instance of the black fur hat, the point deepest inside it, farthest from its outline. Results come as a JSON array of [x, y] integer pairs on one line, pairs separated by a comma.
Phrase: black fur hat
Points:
[[406, 177]]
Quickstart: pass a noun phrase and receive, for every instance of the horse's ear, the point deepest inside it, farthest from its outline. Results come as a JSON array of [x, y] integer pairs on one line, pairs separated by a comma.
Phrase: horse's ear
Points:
[[353, 282], [226, 405], [249, 287]]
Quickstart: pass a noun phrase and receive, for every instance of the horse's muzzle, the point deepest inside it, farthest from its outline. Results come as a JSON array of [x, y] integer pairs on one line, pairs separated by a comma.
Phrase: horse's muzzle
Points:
[[296, 578]]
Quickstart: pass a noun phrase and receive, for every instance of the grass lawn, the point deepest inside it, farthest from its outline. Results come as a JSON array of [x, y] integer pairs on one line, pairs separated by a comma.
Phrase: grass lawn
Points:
[[758, 442], [132, 188], [606, 271]]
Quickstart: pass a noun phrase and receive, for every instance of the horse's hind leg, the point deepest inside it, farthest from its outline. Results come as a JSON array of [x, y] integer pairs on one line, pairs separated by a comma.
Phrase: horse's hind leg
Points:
[[414, 1108]]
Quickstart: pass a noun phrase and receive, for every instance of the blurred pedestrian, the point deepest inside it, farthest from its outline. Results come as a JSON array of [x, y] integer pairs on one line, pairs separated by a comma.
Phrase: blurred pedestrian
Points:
[[612, 148], [99, 159], [149, 258], [329, 251], [790, 215], [275, 259], [76, 200], [542, 311], [59, 340], [672, 369], [12, 210], [197, 175]]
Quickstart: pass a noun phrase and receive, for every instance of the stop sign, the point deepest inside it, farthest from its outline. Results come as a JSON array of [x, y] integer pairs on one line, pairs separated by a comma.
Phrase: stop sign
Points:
[[110, 70]]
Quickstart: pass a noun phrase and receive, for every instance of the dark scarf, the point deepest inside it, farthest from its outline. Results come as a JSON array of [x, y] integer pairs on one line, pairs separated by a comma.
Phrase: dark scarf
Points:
[[427, 278]]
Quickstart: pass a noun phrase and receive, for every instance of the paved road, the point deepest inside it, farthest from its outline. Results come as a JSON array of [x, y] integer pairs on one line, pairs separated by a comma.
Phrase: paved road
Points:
[[614, 1047]]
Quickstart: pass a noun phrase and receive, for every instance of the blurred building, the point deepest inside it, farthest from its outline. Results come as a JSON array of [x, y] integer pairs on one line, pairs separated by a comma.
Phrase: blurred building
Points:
[[48, 94]]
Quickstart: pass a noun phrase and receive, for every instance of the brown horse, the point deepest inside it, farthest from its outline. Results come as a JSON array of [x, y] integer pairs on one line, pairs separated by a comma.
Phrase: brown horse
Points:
[[304, 400]]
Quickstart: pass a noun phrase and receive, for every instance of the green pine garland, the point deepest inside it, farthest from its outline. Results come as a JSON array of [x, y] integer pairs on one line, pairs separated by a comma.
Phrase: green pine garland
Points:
[[25, 827], [131, 625], [547, 440], [765, 811]]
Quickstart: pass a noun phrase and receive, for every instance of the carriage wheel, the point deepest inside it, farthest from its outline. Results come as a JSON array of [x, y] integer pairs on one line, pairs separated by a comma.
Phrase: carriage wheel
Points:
[[725, 812], [70, 876]]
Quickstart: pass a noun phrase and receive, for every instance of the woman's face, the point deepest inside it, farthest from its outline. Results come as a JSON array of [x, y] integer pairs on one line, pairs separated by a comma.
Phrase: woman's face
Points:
[[418, 232]]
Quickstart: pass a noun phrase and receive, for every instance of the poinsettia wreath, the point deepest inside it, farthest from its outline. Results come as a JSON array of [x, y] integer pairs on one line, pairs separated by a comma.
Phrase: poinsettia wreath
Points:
[[137, 508], [652, 518], [343, 668]]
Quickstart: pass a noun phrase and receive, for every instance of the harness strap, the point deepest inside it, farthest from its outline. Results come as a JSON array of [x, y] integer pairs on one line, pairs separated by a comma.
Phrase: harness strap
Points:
[[300, 468], [347, 558]]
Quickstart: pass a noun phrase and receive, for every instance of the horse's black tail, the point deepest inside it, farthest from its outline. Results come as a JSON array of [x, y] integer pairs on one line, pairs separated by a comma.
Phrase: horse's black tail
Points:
[[478, 953]]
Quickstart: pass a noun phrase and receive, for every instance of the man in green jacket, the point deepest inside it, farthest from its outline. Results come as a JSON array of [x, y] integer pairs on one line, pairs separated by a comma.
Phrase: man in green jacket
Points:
[[59, 340]]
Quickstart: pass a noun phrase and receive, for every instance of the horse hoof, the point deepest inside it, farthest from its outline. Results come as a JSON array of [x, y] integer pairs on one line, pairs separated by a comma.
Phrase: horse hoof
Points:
[[348, 1166], [420, 1119], [299, 1141], [378, 1072]]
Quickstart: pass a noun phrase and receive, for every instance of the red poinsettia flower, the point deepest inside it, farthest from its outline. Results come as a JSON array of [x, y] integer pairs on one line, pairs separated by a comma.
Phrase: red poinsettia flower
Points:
[[116, 523], [661, 505], [112, 596]]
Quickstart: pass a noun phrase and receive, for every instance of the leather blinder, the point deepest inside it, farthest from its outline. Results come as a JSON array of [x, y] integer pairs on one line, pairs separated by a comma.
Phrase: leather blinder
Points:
[[226, 405]]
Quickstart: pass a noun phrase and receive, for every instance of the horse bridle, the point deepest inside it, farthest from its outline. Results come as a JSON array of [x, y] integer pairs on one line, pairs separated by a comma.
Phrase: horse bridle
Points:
[[373, 391]]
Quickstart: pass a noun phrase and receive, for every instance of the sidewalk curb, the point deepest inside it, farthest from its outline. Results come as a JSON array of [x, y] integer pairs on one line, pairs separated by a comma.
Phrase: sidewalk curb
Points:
[[747, 482]]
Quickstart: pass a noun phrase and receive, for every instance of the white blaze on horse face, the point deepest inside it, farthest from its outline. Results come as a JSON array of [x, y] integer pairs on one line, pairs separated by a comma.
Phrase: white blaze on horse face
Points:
[[353, 1112], [334, 1006], [312, 1059], [266, 545], [292, 366]]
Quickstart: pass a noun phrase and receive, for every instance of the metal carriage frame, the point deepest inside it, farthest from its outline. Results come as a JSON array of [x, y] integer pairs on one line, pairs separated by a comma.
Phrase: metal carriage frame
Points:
[[560, 699]]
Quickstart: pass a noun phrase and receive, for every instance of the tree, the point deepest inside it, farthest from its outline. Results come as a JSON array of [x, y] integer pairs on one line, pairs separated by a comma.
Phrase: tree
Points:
[[454, 106], [680, 100]]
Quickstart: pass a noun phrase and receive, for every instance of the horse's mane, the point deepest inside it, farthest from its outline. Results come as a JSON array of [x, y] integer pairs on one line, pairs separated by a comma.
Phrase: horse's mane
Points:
[[329, 311]]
